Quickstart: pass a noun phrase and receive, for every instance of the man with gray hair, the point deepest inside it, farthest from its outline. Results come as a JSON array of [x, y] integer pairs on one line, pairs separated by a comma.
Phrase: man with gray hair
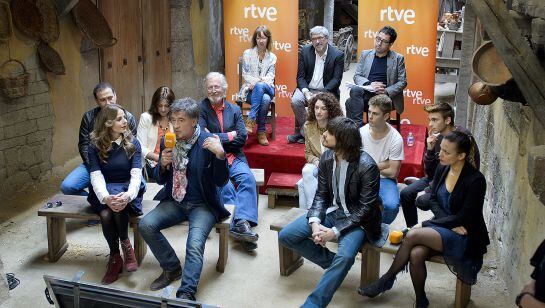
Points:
[[224, 119], [192, 171], [320, 69]]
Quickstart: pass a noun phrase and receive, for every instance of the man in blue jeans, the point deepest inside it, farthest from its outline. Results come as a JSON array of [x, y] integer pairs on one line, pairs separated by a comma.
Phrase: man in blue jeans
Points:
[[77, 180], [346, 209], [385, 144], [192, 171], [224, 119]]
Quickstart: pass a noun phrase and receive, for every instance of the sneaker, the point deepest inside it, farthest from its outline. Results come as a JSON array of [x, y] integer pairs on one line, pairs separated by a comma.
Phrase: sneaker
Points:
[[249, 246], [242, 231], [166, 278], [295, 138], [382, 285], [185, 295]]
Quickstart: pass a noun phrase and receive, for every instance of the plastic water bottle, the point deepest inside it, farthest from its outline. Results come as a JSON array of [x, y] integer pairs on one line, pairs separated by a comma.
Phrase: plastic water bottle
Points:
[[410, 139]]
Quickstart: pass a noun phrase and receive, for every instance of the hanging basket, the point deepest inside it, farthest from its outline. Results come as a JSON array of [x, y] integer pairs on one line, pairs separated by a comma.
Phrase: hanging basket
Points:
[[93, 24], [6, 30], [50, 27], [50, 59], [13, 85], [27, 18]]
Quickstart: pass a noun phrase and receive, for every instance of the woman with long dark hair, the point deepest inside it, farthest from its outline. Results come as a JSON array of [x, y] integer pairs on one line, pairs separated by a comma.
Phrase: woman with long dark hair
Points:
[[459, 235], [117, 187], [154, 125], [258, 73], [321, 108]]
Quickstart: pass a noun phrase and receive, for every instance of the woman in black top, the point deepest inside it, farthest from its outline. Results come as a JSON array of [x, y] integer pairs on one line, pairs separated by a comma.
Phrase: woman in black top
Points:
[[459, 235], [533, 294]]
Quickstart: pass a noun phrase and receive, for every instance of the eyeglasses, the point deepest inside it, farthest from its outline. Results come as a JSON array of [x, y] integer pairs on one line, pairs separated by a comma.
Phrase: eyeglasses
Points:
[[379, 40], [317, 38]]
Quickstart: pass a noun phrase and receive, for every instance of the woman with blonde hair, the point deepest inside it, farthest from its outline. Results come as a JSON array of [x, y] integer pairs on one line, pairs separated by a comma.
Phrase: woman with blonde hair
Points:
[[117, 188], [258, 73]]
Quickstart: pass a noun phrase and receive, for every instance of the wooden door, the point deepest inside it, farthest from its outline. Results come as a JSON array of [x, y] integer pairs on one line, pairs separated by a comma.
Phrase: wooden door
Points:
[[121, 64], [156, 46]]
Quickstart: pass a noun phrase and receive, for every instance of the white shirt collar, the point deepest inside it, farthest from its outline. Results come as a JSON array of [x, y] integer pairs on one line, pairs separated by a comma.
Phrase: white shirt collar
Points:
[[118, 140]]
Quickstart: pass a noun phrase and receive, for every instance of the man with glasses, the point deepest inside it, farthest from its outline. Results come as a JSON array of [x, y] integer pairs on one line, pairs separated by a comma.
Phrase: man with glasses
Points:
[[381, 68], [320, 69]]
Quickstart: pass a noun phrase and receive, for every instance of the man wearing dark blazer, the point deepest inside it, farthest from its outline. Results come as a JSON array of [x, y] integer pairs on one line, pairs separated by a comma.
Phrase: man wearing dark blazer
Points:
[[381, 68], [224, 119], [320, 69]]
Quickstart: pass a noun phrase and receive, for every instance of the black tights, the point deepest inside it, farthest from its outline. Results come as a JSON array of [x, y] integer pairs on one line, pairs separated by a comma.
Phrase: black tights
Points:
[[419, 245], [115, 226]]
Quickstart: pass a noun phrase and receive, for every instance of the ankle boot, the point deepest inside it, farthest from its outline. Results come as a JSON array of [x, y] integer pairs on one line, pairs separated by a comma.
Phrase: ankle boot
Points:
[[422, 302], [131, 264], [382, 285], [115, 266], [249, 125], [166, 278], [262, 138]]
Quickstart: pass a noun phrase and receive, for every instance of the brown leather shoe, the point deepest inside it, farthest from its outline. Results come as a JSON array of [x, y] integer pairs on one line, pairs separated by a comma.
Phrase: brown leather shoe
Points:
[[115, 266], [166, 278], [131, 264], [250, 124], [262, 138]]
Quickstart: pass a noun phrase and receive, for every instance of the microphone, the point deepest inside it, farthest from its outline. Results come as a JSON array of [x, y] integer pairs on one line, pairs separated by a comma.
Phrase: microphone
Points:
[[170, 140]]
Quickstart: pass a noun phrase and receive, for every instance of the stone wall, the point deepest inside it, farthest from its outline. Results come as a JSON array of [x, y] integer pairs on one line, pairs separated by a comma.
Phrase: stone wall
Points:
[[26, 132], [511, 139], [39, 132]]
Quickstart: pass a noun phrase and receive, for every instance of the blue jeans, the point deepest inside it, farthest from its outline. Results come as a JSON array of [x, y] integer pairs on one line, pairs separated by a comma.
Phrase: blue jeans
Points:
[[390, 199], [307, 185], [76, 181], [260, 99], [244, 197], [167, 214], [296, 236]]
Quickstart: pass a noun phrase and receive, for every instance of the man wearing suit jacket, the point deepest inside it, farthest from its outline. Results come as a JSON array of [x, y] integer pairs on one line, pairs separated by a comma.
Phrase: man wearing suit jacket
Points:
[[381, 68], [320, 69], [224, 119]]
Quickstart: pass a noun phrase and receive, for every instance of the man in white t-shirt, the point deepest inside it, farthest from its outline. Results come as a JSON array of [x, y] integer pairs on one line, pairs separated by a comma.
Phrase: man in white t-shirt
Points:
[[385, 145]]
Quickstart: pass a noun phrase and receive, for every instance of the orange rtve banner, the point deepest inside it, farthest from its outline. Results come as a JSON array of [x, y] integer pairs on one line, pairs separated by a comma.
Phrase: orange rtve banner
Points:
[[415, 22], [241, 18]]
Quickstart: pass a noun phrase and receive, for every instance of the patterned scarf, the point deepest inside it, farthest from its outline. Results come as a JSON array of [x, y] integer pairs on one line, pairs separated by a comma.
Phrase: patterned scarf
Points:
[[179, 164]]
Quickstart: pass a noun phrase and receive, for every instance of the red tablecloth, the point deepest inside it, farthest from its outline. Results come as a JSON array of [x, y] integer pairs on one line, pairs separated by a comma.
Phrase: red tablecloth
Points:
[[412, 164]]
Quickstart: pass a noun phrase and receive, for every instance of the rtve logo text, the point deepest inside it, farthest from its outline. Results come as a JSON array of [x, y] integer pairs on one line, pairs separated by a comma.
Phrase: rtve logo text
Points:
[[406, 16]]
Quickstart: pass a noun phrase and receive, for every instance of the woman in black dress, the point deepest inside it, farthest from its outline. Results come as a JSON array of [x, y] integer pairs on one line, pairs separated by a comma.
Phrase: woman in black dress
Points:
[[459, 235], [115, 160]]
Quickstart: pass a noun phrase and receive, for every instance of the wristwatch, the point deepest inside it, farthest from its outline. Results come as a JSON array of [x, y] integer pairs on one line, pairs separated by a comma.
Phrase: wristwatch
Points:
[[520, 296]]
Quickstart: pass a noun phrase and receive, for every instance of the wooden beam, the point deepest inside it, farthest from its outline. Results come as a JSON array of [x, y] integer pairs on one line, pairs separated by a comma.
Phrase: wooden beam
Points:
[[514, 51], [447, 62], [461, 99]]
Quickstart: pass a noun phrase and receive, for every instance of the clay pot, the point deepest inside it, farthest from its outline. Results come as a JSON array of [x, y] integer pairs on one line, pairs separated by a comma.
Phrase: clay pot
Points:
[[489, 66], [481, 94]]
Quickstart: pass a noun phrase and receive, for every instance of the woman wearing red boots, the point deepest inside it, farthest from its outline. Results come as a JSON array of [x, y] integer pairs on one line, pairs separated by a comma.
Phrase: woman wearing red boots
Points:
[[117, 187]]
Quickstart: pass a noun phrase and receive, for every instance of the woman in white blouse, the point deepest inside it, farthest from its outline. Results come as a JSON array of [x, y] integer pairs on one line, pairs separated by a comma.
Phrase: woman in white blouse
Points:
[[153, 126], [258, 73]]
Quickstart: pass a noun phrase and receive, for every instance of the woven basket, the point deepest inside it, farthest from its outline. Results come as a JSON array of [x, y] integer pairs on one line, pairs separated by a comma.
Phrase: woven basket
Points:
[[50, 27], [50, 59], [6, 30], [27, 18], [93, 24], [13, 85]]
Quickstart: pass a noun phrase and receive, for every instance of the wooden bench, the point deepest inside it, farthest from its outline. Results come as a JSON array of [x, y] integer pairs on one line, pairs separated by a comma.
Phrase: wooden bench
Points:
[[259, 176], [282, 184], [77, 207], [370, 262]]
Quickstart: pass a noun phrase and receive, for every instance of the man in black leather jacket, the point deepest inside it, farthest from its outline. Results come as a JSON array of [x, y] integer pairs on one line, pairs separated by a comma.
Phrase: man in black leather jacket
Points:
[[348, 216], [78, 179]]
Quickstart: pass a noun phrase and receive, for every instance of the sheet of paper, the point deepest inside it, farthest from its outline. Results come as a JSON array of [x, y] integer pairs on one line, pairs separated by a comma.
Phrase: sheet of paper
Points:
[[351, 85]]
